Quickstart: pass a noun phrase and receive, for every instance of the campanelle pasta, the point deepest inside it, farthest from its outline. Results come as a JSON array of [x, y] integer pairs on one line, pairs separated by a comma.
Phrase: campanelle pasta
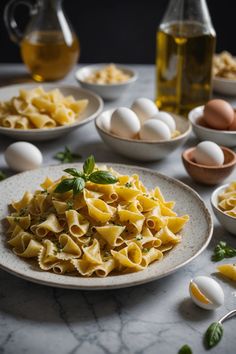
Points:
[[38, 109], [118, 228], [227, 200]]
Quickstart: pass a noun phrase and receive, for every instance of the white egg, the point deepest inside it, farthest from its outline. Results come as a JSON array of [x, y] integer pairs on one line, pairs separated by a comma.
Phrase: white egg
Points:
[[124, 123], [144, 108], [105, 121], [154, 129], [23, 156], [206, 292], [208, 153], [167, 119]]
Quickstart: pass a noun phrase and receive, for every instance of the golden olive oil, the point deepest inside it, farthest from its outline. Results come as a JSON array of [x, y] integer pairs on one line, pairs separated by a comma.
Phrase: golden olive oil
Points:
[[184, 66], [48, 55]]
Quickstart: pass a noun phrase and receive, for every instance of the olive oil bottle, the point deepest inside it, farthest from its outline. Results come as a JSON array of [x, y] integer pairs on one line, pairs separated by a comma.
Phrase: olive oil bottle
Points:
[[185, 51]]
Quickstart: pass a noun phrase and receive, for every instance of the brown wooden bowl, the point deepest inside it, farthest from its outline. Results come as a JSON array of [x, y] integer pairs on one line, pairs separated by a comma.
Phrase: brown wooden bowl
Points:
[[209, 175]]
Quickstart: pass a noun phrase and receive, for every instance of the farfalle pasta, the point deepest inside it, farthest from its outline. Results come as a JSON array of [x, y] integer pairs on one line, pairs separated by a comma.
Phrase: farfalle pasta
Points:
[[114, 228], [227, 200], [38, 109]]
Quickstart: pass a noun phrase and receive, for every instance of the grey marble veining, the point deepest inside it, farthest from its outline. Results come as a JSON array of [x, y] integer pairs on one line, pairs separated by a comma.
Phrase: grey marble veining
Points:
[[155, 318]]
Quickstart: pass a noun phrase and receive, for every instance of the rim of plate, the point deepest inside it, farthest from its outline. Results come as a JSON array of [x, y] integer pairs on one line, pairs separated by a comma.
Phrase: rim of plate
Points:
[[133, 73], [122, 281], [62, 127], [139, 141]]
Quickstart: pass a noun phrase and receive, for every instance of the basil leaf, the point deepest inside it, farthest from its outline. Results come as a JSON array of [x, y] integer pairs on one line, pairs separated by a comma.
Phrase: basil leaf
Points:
[[78, 186], [73, 172], [65, 185], [213, 334], [222, 250], [89, 165], [66, 155], [185, 350], [102, 177], [2, 176]]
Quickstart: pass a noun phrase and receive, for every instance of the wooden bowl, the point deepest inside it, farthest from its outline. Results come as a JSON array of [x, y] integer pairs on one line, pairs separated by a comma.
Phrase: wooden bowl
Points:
[[209, 175]]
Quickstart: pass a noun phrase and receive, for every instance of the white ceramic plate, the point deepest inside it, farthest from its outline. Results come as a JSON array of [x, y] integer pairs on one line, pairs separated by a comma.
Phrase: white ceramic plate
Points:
[[220, 137], [196, 235], [94, 108]]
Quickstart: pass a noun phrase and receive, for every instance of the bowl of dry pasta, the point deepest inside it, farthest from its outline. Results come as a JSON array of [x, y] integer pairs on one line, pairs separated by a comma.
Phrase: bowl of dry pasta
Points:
[[223, 201], [35, 113]]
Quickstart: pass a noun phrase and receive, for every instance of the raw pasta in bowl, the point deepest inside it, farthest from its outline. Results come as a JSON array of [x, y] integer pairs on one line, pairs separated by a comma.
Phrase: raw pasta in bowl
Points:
[[30, 112], [94, 223]]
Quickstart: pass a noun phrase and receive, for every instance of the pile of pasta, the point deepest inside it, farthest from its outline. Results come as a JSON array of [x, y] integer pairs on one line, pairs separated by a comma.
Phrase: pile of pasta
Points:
[[38, 109], [227, 200], [117, 228]]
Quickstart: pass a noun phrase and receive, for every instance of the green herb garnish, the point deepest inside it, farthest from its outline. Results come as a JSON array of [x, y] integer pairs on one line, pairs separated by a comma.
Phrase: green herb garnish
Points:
[[128, 185], [139, 238], [222, 250], [67, 155], [2, 176], [213, 334], [185, 349], [77, 183], [69, 204]]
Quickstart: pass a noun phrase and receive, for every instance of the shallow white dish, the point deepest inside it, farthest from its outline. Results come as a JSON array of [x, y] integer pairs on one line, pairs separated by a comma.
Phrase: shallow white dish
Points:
[[108, 92], [224, 86], [220, 137], [94, 108], [142, 150], [228, 222], [196, 235]]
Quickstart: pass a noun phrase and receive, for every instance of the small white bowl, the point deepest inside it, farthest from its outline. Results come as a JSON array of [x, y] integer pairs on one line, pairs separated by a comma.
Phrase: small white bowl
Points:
[[220, 137], [224, 86], [142, 150], [228, 222], [106, 91]]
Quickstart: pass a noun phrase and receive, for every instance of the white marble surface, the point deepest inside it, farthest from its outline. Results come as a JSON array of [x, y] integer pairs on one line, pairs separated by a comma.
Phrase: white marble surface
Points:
[[155, 318]]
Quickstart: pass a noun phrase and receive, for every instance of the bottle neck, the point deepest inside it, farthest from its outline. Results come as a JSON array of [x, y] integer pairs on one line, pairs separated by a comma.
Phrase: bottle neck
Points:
[[50, 4]]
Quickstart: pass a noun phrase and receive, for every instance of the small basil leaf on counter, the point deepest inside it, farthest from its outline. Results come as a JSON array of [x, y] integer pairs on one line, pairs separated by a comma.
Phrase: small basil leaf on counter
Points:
[[222, 250], [73, 172], [89, 165], [65, 185], [78, 185], [67, 155], [2, 176], [185, 350], [102, 177], [213, 334]]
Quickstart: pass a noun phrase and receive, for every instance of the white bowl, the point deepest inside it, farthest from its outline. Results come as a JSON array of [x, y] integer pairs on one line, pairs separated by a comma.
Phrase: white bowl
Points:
[[220, 137], [142, 150], [224, 86], [95, 107], [108, 91], [228, 222]]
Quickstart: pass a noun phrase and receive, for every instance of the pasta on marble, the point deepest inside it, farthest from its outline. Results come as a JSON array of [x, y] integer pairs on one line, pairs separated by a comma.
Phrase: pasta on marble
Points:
[[115, 228], [38, 109]]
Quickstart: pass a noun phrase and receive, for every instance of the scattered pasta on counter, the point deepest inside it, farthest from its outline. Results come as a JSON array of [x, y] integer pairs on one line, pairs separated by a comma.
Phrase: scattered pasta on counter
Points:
[[120, 227], [38, 109]]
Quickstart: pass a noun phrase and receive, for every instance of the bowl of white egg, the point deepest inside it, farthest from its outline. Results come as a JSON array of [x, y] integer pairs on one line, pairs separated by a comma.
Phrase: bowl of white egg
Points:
[[142, 132]]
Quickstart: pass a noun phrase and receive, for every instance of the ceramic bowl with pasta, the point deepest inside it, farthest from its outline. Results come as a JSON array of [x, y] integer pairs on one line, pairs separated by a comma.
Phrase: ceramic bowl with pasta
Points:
[[32, 112], [141, 228], [223, 201]]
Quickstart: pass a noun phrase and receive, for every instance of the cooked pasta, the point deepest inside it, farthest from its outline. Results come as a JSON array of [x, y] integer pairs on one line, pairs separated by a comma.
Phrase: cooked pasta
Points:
[[227, 200], [38, 109], [114, 228]]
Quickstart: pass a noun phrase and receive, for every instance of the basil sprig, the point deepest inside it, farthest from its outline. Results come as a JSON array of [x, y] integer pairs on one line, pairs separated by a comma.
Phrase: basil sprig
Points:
[[67, 155], [185, 349], [222, 250], [77, 183], [213, 334]]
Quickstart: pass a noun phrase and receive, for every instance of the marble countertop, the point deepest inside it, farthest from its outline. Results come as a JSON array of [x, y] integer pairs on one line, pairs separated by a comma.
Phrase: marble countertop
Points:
[[154, 318]]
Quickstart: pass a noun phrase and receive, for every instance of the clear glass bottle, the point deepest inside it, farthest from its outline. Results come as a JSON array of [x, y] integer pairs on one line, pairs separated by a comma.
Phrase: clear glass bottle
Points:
[[49, 46], [185, 47]]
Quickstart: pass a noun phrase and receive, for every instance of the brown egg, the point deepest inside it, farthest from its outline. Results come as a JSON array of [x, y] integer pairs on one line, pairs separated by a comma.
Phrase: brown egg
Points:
[[218, 114], [201, 121], [233, 125]]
